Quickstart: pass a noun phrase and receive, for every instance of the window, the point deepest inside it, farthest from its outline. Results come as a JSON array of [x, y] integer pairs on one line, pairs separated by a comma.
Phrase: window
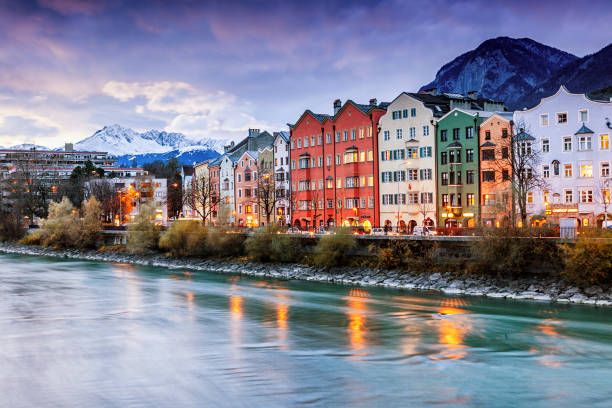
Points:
[[320, 161], [443, 135], [605, 196], [351, 182], [469, 176], [353, 134], [426, 130], [320, 139], [351, 157], [525, 148], [445, 200], [362, 155], [337, 137], [292, 164], [470, 199], [443, 158], [330, 203], [328, 138], [455, 156], [488, 175], [330, 183], [505, 174], [412, 131], [425, 151], [412, 152], [328, 161], [555, 164], [469, 132], [584, 143], [292, 144], [544, 119], [405, 113], [338, 182], [488, 135], [445, 179], [546, 171], [370, 181], [504, 133], [425, 174], [320, 184], [545, 146], [569, 196], [361, 132], [605, 169], [413, 112], [247, 176], [586, 170], [412, 174], [546, 196], [370, 155], [338, 159], [562, 117], [345, 135], [396, 114], [398, 133], [456, 134], [426, 198], [488, 199], [567, 144], [584, 115], [312, 140], [586, 196], [413, 198], [299, 143], [604, 142], [386, 135], [567, 170], [469, 155], [504, 152], [530, 197], [488, 154], [306, 141]]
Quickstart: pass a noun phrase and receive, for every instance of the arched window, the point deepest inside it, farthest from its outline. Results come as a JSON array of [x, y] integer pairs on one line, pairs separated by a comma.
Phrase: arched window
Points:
[[555, 164]]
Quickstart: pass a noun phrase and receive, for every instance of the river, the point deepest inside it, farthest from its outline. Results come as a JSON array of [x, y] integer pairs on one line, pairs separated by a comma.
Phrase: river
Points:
[[92, 334]]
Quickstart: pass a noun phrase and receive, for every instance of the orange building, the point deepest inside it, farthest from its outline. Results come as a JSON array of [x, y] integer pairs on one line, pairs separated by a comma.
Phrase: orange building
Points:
[[495, 135]]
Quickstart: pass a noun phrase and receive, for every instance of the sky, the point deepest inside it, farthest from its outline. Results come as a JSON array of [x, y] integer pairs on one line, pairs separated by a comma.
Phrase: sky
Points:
[[213, 69]]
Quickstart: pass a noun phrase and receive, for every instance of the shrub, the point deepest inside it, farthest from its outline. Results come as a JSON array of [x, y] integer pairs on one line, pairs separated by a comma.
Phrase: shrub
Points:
[[334, 249], [268, 244], [33, 238], [185, 238], [404, 254], [11, 226], [143, 234], [513, 252], [588, 261], [225, 242], [62, 228], [91, 231]]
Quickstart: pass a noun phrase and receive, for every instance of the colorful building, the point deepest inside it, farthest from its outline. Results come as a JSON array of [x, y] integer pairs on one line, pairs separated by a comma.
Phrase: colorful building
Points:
[[282, 178], [572, 133], [334, 170], [495, 140]]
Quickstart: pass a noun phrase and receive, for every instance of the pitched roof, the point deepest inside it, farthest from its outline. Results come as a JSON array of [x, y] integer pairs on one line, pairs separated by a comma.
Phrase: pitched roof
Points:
[[524, 136], [283, 134], [583, 130], [487, 144]]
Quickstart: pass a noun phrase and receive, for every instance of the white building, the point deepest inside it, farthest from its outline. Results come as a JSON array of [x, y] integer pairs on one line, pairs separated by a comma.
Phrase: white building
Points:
[[282, 180], [572, 132], [407, 166], [227, 197]]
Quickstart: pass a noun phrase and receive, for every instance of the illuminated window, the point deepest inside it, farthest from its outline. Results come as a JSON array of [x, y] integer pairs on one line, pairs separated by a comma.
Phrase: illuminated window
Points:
[[586, 196], [604, 142], [586, 170], [530, 197], [567, 170]]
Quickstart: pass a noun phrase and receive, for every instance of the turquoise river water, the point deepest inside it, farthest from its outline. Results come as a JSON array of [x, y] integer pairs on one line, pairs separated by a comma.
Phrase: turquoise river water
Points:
[[91, 334]]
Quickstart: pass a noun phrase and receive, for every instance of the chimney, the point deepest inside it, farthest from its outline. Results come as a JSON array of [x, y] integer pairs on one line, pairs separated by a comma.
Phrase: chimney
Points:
[[253, 132], [430, 91], [473, 95], [228, 147], [337, 105], [373, 102], [68, 147]]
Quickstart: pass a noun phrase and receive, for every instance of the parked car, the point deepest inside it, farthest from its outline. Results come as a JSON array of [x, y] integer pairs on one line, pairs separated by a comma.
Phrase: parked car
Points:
[[378, 231], [294, 230], [423, 231]]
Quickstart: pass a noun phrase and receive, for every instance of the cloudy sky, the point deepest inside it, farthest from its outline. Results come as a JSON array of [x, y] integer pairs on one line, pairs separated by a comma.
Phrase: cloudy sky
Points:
[[216, 68]]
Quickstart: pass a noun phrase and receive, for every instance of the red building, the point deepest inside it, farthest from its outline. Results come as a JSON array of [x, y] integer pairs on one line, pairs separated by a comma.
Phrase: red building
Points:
[[334, 168]]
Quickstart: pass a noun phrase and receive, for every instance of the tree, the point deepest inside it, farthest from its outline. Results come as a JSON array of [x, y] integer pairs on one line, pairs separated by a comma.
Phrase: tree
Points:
[[425, 207], [266, 194], [603, 193], [91, 231], [62, 227], [199, 197], [523, 164], [107, 195], [316, 204], [143, 234], [169, 171]]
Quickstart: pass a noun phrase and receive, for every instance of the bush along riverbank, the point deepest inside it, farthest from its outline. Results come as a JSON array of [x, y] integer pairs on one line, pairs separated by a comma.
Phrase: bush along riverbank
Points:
[[502, 263]]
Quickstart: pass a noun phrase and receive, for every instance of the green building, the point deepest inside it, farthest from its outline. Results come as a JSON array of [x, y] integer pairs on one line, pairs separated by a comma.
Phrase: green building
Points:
[[457, 165]]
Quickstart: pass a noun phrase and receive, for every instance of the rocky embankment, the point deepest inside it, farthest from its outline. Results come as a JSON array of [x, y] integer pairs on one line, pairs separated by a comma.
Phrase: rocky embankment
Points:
[[537, 288]]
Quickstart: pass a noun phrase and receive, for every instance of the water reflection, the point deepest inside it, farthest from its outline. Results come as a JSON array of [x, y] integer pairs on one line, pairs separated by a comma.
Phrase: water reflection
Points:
[[453, 324], [357, 310]]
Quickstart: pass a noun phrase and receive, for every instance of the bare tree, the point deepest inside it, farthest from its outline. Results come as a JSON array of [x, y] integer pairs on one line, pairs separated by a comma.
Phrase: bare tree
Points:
[[520, 168], [199, 197], [267, 196], [603, 193], [107, 195], [316, 204], [425, 207]]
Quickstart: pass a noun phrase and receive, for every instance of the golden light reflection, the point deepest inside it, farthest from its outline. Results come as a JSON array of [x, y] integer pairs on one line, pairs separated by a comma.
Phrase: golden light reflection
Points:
[[549, 349], [357, 322], [236, 305], [190, 298], [452, 330]]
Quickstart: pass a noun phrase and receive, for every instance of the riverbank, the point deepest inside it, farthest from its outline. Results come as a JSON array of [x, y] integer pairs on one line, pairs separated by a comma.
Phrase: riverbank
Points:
[[547, 289]]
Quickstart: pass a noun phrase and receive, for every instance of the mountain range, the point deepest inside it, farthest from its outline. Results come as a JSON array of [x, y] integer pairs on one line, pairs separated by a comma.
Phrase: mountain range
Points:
[[522, 71]]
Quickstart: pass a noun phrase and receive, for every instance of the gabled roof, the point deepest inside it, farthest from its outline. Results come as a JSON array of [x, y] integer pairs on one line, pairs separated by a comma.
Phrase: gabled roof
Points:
[[584, 130], [522, 135], [488, 144], [283, 135]]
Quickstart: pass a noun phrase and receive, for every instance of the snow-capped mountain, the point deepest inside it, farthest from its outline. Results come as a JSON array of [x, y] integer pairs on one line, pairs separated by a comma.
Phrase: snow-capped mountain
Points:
[[119, 141], [28, 146], [503, 69]]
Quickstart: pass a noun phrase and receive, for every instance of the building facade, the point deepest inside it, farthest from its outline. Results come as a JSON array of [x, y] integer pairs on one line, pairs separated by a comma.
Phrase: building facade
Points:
[[495, 144], [334, 170], [407, 162], [572, 134], [247, 211], [282, 179]]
